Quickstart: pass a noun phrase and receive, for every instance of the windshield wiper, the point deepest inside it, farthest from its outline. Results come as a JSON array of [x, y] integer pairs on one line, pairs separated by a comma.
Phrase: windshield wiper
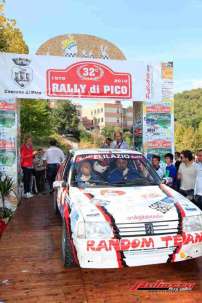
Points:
[[99, 182], [90, 183], [140, 181], [135, 182]]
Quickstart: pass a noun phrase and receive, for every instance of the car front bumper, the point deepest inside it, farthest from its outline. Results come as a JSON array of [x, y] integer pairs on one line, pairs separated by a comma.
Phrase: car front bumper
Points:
[[100, 254]]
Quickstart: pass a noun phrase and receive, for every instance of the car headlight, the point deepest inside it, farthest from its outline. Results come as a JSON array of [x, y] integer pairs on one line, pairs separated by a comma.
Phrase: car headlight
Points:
[[94, 230], [192, 223]]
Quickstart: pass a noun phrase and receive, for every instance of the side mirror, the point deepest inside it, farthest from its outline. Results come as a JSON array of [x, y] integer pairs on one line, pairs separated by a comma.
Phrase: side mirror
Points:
[[167, 180], [164, 181], [64, 184], [57, 184]]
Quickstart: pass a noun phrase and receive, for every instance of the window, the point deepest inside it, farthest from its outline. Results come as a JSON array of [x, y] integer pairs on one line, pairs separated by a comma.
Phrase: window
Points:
[[101, 110], [139, 171], [117, 120], [102, 119], [67, 167]]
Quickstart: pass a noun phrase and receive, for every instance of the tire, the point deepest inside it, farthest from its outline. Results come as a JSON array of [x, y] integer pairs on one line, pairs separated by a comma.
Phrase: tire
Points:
[[67, 253], [55, 205]]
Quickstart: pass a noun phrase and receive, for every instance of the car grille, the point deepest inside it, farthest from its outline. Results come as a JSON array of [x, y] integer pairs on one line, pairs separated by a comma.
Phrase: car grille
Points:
[[149, 251], [141, 228]]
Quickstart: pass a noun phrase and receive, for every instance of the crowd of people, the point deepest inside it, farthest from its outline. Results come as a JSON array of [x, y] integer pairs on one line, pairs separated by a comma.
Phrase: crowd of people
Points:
[[182, 172], [39, 166]]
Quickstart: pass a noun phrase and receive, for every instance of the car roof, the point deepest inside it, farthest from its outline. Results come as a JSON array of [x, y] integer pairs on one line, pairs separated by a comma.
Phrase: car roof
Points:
[[88, 151]]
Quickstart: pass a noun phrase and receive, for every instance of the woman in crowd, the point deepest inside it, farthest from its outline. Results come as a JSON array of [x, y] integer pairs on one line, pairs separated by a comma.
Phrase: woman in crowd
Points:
[[27, 155]]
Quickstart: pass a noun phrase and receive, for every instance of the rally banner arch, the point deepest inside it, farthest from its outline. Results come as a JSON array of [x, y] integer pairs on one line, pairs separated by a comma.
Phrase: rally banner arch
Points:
[[55, 77]]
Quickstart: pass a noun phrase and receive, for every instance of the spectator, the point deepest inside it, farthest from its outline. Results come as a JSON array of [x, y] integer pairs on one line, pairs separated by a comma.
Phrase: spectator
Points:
[[170, 170], [39, 171], [177, 160], [177, 165], [187, 174], [54, 156], [198, 185], [156, 165], [107, 143], [118, 142], [27, 154]]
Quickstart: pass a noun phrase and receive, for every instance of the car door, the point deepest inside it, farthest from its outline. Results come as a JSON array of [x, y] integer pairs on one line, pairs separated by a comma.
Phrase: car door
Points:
[[62, 190]]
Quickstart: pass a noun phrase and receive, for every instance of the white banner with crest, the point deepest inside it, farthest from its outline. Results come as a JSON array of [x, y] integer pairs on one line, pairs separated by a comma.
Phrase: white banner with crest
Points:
[[52, 77]]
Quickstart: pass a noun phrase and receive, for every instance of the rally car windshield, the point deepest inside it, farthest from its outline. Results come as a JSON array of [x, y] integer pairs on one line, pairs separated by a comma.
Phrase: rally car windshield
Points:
[[104, 170]]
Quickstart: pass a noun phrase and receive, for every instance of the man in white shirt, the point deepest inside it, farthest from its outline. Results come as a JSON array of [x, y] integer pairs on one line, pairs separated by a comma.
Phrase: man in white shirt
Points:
[[54, 156], [187, 174], [198, 185], [118, 142]]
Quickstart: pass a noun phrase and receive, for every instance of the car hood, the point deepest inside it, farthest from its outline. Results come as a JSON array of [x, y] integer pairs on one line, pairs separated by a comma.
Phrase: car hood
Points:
[[132, 204]]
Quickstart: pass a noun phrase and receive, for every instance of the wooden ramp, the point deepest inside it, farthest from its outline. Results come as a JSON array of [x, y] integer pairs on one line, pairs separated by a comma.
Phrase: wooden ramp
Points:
[[31, 270]]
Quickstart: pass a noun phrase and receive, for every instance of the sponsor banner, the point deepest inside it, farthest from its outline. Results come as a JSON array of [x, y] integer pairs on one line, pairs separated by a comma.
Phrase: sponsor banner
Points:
[[107, 156], [158, 128], [155, 131], [32, 76], [138, 126], [7, 105], [88, 80], [167, 82], [52, 77], [8, 135]]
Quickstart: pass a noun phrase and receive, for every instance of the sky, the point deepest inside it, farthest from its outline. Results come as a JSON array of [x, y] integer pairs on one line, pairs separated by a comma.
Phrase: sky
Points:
[[146, 30]]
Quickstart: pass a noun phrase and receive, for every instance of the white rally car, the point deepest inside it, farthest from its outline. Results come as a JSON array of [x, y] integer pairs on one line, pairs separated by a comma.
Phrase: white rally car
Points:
[[116, 212]]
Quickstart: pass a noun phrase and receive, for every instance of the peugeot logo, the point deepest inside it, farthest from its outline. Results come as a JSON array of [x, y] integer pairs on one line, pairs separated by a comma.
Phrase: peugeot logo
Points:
[[149, 229]]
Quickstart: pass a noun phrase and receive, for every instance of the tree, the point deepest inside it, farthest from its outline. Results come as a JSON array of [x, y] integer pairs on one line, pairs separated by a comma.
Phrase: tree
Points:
[[188, 117], [65, 117], [179, 133], [11, 38], [36, 118], [108, 131]]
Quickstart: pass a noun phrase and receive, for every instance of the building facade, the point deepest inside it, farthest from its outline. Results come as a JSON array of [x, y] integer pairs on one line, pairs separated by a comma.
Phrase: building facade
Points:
[[108, 114]]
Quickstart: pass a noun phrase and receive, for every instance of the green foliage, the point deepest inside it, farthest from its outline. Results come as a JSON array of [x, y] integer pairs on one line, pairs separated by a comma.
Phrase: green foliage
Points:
[[11, 38], [128, 137], [5, 212], [65, 117], [108, 132], [188, 117], [86, 136], [36, 118], [6, 187]]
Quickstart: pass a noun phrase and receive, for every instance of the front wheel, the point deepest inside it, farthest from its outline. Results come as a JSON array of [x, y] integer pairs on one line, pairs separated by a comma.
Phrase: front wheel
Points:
[[67, 251]]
